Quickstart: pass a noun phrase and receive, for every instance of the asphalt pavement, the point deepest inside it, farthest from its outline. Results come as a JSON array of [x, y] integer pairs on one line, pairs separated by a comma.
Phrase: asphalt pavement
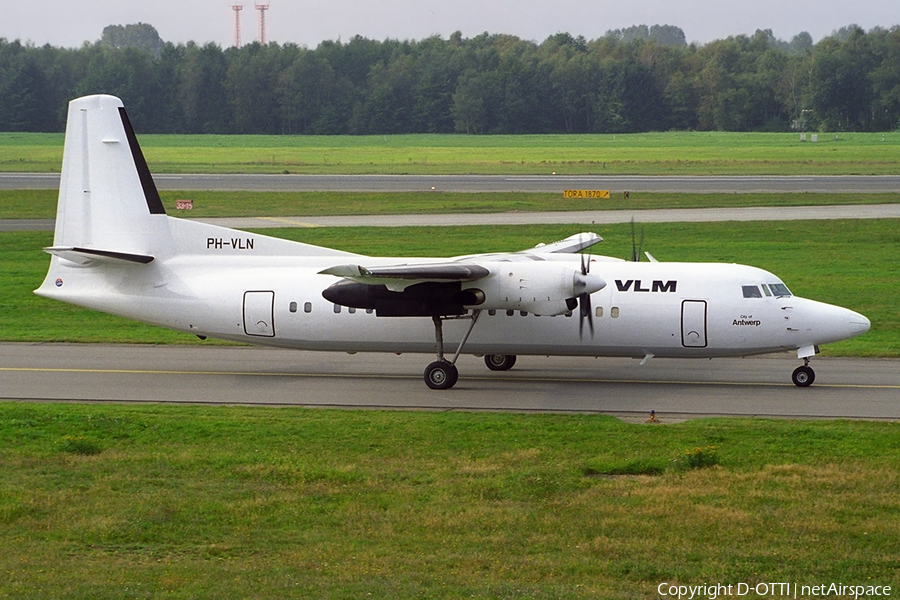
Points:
[[675, 389], [599, 217]]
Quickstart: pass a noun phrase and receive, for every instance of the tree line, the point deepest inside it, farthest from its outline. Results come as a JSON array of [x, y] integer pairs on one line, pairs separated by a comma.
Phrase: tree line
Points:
[[632, 80]]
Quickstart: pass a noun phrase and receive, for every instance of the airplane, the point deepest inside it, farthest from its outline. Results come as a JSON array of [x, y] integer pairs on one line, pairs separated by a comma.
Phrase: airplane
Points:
[[116, 250]]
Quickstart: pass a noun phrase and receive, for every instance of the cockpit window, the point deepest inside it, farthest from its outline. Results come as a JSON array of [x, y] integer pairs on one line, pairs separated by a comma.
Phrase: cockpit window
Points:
[[751, 291], [766, 290], [780, 290]]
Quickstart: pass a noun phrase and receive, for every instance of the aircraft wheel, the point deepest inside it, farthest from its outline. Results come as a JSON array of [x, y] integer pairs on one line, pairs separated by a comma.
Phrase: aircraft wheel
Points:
[[441, 375], [803, 376], [499, 362]]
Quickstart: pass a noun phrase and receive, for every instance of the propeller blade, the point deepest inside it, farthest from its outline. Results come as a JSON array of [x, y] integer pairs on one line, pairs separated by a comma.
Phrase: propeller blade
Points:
[[590, 313], [585, 314], [580, 319]]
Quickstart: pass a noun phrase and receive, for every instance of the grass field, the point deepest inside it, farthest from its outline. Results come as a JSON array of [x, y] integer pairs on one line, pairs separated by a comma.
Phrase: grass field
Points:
[[850, 263], [703, 153], [111, 502]]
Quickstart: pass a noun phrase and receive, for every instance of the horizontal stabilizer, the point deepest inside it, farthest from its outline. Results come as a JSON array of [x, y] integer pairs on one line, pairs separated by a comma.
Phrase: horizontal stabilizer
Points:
[[86, 256]]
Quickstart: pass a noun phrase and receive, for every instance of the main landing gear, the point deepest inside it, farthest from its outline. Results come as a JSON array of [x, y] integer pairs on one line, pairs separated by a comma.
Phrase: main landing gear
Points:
[[803, 376], [499, 362], [442, 373]]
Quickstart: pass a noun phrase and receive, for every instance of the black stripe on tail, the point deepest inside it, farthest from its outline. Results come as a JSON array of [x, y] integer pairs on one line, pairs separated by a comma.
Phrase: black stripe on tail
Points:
[[154, 203]]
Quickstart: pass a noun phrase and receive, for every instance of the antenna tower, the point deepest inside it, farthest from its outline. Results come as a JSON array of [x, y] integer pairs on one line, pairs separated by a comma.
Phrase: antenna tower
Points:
[[262, 8], [237, 8]]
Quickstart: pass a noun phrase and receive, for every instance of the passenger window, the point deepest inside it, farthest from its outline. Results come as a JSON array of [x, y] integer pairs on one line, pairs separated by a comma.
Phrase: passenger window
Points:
[[614, 312], [351, 310], [510, 312], [293, 307], [307, 307], [751, 291], [599, 311], [337, 309], [369, 311], [492, 312]]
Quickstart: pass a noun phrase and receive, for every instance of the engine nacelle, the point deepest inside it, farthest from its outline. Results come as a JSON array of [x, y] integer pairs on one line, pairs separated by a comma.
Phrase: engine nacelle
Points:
[[541, 288]]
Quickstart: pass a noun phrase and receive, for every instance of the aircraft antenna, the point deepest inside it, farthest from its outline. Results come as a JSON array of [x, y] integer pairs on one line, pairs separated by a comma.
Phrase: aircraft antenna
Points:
[[237, 8], [262, 8], [636, 248]]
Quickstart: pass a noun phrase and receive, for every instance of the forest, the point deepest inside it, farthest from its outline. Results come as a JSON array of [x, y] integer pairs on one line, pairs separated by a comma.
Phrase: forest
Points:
[[634, 80]]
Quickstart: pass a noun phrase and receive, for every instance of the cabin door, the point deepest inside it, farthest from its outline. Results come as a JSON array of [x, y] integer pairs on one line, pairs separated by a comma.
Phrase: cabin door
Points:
[[693, 323], [259, 313]]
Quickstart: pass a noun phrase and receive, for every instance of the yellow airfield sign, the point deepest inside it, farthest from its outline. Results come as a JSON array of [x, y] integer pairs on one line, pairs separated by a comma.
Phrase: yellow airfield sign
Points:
[[597, 194]]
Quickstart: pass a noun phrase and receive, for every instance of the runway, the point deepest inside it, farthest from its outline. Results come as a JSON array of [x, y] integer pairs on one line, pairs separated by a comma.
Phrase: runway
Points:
[[689, 184], [600, 217], [675, 389]]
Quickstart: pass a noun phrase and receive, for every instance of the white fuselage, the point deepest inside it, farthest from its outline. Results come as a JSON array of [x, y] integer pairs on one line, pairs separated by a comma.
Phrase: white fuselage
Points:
[[250, 288]]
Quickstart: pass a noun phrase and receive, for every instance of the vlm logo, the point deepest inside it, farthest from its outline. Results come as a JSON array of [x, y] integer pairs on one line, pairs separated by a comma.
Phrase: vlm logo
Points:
[[656, 286]]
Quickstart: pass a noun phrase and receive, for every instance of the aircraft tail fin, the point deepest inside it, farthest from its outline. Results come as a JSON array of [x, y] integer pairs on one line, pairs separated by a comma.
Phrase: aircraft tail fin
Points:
[[109, 210], [108, 203]]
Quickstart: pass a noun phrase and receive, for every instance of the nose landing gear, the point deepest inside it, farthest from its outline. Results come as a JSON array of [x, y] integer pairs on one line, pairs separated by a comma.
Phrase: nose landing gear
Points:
[[803, 376]]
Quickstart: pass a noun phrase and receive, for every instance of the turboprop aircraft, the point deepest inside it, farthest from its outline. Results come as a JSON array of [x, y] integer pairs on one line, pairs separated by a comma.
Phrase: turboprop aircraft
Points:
[[115, 250]]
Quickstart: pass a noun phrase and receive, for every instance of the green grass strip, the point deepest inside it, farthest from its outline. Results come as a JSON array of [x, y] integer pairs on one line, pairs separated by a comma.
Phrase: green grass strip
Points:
[[667, 153], [41, 204], [200, 502]]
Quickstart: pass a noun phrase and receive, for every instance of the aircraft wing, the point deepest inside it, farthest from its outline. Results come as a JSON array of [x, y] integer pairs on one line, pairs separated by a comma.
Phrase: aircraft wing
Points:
[[400, 277], [529, 280], [570, 245]]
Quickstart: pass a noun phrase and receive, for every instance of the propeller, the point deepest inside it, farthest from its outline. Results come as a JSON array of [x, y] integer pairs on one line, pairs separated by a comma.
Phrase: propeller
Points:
[[584, 284], [584, 298]]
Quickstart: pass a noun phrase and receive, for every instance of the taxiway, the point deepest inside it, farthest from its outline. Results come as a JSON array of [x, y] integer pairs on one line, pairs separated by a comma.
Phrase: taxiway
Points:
[[675, 389]]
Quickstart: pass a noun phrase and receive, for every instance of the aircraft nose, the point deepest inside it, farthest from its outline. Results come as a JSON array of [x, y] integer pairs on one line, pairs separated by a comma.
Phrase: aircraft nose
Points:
[[858, 323], [830, 323]]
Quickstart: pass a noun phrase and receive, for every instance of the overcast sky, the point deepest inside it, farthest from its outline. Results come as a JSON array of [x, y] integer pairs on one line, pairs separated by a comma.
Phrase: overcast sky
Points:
[[70, 22]]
